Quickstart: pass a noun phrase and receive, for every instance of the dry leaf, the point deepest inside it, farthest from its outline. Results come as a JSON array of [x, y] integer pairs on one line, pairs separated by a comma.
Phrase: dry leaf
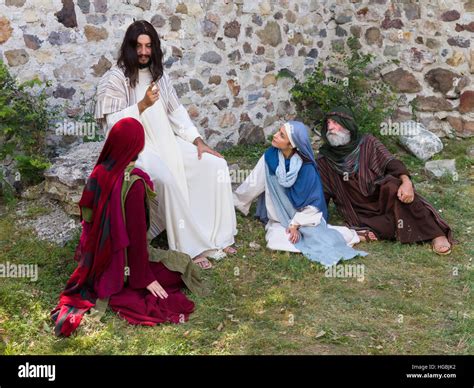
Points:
[[254, 245], [320, 334]]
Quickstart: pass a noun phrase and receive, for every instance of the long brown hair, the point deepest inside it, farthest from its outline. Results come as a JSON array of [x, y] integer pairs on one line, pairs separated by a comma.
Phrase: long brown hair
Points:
[[128, 58]]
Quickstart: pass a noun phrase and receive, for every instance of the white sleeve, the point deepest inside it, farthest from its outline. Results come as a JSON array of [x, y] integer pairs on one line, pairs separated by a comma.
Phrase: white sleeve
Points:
[[182, 125], [112, 118], [177, 114], [308, 216], [251, 188]]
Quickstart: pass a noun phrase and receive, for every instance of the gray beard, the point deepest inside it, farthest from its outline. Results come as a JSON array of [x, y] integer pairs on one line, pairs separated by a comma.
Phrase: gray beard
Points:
[[338, 138]]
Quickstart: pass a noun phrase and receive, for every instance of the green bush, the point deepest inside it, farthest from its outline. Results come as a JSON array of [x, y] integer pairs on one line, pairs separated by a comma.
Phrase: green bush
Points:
[[347, 79], [24, 121]]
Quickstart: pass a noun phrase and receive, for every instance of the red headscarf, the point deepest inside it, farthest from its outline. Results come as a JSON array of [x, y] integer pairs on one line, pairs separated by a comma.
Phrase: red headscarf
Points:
[[125, 141]]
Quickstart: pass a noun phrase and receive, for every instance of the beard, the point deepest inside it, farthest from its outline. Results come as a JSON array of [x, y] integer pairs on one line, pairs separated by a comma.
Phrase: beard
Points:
[[339, 138], [144, 65]]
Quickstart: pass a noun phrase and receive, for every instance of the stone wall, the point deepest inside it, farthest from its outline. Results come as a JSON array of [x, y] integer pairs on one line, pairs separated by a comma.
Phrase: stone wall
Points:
[[224, 55]]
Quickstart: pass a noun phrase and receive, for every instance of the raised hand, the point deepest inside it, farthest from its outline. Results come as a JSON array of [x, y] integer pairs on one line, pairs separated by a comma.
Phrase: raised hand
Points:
[[151, 96]]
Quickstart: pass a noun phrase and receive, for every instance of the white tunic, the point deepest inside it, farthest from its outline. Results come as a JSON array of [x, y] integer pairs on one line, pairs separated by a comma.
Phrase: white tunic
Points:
[[194, 198], [276, 236]]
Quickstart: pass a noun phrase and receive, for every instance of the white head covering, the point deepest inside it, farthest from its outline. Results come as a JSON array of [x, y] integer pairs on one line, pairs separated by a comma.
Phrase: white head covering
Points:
[[289, 131]]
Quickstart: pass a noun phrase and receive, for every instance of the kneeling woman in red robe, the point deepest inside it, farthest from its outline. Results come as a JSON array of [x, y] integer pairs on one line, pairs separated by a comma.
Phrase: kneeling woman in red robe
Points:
[[114, 264]]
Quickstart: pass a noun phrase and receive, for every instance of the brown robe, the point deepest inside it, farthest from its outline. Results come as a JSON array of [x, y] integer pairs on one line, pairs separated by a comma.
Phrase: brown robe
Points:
[[368, 198]]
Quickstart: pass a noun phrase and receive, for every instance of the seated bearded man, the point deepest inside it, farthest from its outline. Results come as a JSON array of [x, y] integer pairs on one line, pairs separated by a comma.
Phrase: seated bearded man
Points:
[[372, 189]]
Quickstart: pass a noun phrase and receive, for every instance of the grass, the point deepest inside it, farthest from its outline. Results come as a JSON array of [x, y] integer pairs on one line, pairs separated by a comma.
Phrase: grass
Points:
[[264, 302]]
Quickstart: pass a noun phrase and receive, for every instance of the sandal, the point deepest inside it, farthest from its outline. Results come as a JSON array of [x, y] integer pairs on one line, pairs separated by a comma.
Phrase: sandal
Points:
[[436, 247], [365, 234], [438, 252], [202, 262]]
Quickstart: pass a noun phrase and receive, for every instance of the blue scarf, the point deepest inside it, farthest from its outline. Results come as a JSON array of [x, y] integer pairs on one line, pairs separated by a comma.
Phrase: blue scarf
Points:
[[288, 179]]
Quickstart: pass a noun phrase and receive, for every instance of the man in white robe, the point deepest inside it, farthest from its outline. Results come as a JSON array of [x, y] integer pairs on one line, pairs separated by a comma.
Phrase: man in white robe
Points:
[[194, 199]]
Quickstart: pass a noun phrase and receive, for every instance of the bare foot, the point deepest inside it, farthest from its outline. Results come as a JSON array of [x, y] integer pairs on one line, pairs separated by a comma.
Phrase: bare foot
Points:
[[441, 245], [202, 262], [366, 236], [230, 250]]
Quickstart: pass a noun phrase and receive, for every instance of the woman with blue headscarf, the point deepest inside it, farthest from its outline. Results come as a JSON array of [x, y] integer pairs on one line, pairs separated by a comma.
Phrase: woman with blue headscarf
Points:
[[291, 200]]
